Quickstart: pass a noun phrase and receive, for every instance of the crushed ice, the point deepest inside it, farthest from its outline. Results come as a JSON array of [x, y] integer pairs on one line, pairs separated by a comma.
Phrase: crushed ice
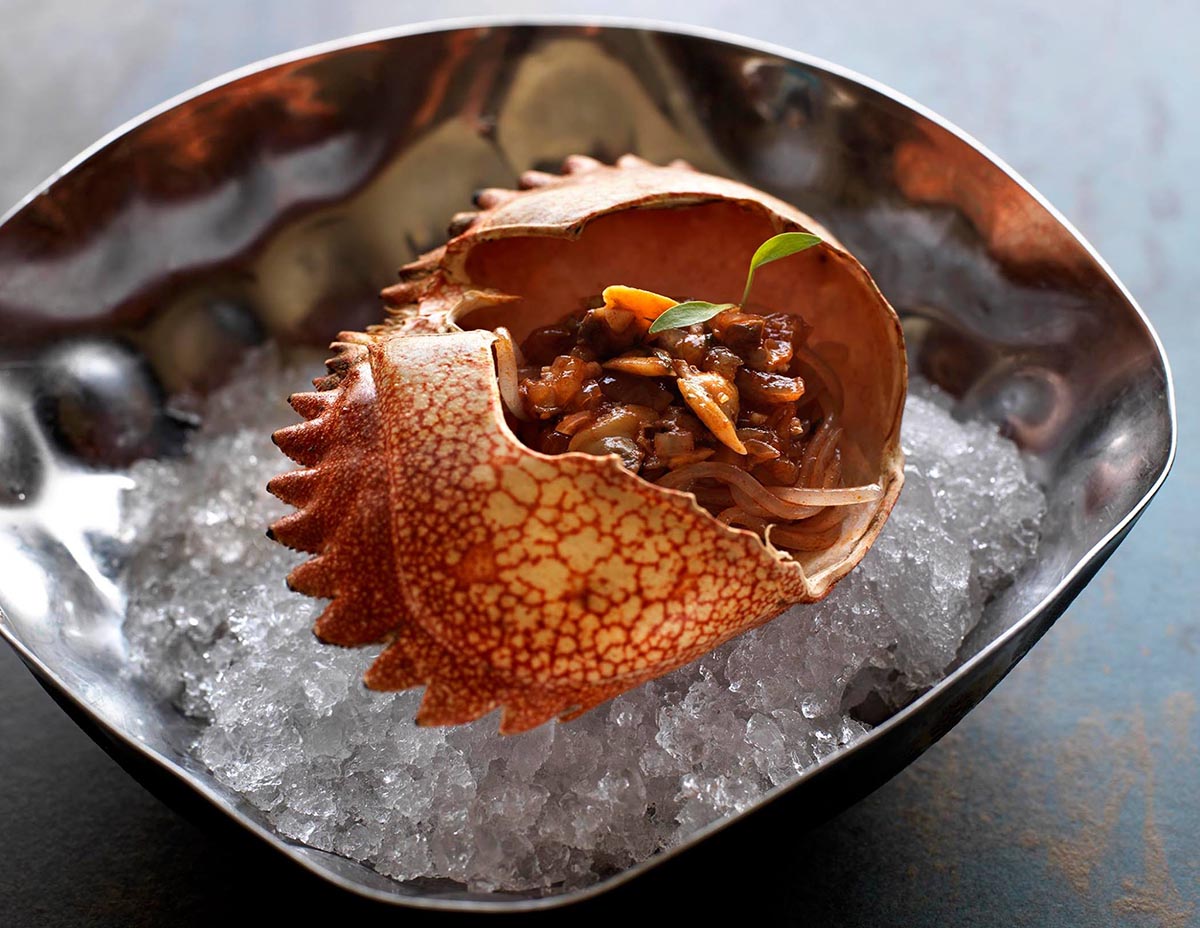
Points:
[[211, 626]]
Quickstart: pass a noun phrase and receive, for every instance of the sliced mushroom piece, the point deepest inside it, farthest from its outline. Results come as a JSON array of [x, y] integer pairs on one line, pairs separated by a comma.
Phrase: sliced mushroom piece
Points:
[[714, 400], [640, 365]]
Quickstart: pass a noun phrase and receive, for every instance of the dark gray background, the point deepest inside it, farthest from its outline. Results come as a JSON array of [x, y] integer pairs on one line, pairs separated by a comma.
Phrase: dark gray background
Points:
[[1071, 796]]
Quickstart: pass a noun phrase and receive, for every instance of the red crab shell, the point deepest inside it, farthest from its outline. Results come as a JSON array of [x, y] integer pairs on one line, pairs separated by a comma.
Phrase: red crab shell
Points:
[[545, 585]]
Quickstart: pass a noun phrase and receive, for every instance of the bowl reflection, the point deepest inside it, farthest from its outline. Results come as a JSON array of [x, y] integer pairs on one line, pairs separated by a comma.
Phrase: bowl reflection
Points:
[[276, 204]]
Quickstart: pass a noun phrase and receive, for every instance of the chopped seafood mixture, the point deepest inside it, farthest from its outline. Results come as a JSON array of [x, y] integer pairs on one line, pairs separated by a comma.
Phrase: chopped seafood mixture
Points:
[[739, 410]]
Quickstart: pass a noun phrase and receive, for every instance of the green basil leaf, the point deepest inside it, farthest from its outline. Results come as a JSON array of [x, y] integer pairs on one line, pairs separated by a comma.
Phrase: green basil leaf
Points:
[[685, 314], [776, 247]]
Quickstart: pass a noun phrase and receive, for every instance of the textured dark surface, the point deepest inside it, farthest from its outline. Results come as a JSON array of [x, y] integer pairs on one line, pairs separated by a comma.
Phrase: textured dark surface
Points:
[[1070, 796]]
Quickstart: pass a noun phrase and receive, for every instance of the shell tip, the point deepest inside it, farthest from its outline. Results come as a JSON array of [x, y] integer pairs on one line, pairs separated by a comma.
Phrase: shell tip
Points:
[[459, 224]]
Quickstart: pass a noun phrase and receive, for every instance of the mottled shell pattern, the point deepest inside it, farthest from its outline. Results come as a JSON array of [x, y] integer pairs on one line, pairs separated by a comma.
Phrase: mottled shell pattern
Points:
[[498, 576]]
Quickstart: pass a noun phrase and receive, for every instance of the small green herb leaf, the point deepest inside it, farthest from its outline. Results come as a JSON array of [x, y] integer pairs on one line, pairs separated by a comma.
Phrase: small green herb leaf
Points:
[[776, 247], [685, 314]]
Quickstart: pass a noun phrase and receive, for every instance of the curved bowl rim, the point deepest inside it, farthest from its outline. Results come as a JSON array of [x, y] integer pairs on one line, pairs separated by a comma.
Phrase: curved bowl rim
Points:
[[296, 852]]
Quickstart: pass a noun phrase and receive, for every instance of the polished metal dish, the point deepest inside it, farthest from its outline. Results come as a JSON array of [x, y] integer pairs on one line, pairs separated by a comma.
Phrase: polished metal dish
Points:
[[274, 203]]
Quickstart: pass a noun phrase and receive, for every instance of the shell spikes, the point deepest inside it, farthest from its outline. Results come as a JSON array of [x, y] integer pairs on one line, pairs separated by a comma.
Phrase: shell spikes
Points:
[[500, 577]]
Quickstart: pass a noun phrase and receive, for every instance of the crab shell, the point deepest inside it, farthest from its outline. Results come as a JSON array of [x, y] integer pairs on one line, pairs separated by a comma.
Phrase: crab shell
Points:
[[498, 576]]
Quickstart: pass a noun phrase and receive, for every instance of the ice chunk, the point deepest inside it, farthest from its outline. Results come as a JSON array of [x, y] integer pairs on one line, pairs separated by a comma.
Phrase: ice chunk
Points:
[[211, 626]]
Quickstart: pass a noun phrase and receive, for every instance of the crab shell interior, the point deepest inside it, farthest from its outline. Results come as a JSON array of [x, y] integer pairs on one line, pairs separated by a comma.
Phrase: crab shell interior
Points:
[[525, 260]]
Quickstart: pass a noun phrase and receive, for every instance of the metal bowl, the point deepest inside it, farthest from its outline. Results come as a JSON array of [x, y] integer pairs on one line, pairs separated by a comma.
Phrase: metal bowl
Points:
[[274, 203]]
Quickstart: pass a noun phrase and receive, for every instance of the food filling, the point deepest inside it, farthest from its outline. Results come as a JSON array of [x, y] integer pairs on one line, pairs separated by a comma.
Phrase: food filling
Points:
[[738, 409]]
